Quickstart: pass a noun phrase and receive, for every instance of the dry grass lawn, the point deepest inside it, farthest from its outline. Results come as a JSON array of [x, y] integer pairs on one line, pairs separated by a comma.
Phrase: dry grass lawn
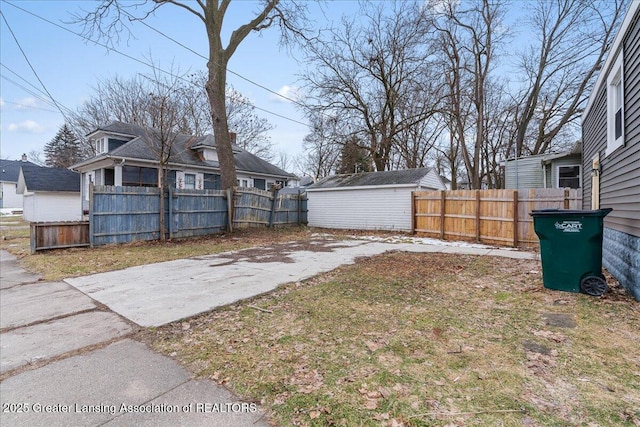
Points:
[[423, 340]]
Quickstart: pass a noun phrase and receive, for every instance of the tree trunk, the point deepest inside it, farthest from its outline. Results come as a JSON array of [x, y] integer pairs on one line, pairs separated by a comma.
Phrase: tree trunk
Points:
[[216, 93]]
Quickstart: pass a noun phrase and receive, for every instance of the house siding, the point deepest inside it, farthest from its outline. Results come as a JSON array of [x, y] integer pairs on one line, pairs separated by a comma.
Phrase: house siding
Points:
[[552, 180], [620, 170], [9, 197], [432, 180], [527, 170], [361, 209]]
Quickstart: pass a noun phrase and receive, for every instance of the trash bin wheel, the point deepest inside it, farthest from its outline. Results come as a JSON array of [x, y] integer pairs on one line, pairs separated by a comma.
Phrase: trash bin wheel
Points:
[[594, 285]]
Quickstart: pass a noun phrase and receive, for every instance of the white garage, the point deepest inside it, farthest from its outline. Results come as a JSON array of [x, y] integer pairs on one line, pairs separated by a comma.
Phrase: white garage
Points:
[[369, 201], [49, 194]]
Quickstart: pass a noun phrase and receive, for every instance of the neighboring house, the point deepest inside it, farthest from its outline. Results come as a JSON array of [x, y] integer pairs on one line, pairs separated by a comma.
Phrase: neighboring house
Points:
[[369, 201], [49, 194], [562, 170], [9, 171], [446, 181], [125, 158], [611, 165]]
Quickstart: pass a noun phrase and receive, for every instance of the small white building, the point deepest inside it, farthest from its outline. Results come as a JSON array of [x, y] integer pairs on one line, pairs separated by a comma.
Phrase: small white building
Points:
[[10, 200], [49, 194], [369, 201]]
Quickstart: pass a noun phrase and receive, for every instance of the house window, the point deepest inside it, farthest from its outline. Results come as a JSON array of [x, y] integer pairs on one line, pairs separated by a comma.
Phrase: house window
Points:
[[569, 176], [135, 176], [189, 181], [615, 106]]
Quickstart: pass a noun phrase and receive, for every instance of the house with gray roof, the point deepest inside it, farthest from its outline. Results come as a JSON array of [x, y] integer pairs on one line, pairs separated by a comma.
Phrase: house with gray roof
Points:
[[127, 155], [49, 194], [369, 201], [10, 200]]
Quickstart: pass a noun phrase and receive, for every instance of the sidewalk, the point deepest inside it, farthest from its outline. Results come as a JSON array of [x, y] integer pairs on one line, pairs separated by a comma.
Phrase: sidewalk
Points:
[[67, 361]]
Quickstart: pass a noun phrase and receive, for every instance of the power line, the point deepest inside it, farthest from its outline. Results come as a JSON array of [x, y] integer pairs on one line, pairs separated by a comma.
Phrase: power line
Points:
[[31, 66], [228, 70], [29, 91], [29, 106], [153, 66]]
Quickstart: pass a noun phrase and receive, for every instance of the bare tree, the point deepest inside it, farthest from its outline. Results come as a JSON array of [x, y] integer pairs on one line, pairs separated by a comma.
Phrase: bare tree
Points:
[[126, 99], [321, 146], [363, 72], [573, 37], [471, 32], [111, 18]]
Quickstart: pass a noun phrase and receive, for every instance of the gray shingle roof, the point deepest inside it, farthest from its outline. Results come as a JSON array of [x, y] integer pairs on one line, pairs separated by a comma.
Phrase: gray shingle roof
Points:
[[408, 176], [182, 150], [10, 169], [39, 178]]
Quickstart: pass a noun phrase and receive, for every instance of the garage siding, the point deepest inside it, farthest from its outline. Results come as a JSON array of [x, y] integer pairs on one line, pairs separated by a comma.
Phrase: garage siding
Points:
[[361, 209], [55, 206]]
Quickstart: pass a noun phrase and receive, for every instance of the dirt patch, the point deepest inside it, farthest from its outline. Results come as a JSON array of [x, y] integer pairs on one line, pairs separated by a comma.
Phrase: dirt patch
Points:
[[559, 320], [280, 252]]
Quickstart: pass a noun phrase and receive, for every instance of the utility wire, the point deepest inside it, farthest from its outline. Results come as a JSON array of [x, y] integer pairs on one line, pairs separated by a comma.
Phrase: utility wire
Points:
[[39, 95], [147, 64], [33, 69], [29, 91], [30, 106], [228, 70]]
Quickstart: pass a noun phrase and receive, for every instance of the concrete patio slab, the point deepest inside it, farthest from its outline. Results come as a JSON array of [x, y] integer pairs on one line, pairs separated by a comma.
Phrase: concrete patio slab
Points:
[[43, 341], [26, 304], [156, 294]]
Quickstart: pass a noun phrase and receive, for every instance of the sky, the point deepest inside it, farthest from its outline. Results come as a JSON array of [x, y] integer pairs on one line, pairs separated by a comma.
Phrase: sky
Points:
[[39, 61]]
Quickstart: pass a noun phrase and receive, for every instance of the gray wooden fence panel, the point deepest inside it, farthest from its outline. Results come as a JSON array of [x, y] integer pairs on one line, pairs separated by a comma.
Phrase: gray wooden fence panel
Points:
[[128, 214], [124, 214], [198, 212], [252, 207]]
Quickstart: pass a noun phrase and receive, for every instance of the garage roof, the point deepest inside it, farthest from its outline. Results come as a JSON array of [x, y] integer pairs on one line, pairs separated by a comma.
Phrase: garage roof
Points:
[[400, 177]]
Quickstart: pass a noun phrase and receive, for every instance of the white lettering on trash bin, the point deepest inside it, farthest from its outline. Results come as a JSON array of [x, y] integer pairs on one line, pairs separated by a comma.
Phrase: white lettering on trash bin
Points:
[[569, 226]]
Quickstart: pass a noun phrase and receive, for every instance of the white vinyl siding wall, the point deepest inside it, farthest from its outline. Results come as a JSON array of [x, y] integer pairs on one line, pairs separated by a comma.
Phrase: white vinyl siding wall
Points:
[[361, 209], [54, 206]]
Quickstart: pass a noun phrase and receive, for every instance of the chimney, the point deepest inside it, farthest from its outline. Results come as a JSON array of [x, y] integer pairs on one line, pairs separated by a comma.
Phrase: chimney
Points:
[[24, 157], [232, 137]]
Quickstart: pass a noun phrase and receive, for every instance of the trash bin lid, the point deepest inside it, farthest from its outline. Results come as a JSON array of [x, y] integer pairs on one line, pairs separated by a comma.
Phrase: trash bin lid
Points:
[[569, 212]]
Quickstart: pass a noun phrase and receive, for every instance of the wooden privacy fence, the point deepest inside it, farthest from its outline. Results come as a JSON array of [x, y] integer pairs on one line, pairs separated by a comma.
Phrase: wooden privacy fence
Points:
[[128, 214], [498, 217]]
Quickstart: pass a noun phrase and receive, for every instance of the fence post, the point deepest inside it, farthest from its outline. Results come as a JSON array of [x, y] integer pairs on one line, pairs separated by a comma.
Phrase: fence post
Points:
[[299, 206], [273, 206], [91, 217], [170, 191], [32, 237], [413, 212], [478, 216], [566, 198], [443, 198], [230, 209], [515, 218]]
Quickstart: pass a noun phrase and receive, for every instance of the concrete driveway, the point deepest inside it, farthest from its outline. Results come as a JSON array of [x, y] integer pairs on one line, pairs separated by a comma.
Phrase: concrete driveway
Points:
[[156, 294]]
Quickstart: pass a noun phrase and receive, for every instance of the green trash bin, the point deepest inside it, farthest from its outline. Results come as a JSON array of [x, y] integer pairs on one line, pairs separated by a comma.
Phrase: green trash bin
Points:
[[571, 249]]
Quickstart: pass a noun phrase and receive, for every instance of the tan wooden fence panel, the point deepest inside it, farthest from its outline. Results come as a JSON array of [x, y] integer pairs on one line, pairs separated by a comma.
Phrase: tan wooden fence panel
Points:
[[498, 217]]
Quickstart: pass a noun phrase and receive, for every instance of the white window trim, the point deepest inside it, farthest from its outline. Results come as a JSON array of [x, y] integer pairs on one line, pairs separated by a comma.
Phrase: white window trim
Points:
[[615, 77], [568, 166]]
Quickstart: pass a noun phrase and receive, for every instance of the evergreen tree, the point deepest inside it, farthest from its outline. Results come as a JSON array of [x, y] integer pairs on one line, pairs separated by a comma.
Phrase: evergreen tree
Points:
[[354, 158], [63, 150]]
